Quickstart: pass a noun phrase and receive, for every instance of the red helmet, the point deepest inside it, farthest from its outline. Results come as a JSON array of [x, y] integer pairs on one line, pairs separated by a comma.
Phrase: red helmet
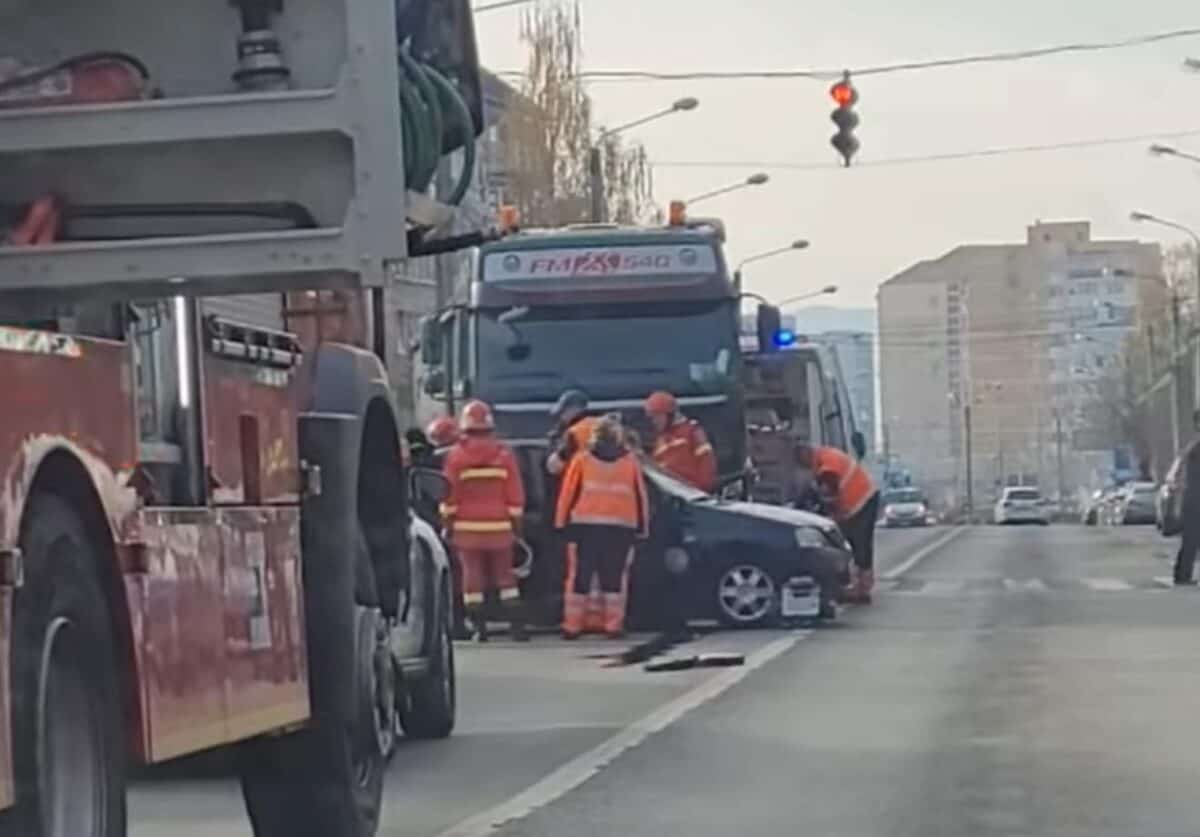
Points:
[[443, 432], [476, 417], [661, 404]]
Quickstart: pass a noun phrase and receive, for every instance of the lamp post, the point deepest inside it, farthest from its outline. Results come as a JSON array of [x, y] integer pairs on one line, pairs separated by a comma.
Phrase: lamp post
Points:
[[595, 163], [969, 507], [828, 289], [1160, 150], [798, 244], [757, 179], [1147, 218]]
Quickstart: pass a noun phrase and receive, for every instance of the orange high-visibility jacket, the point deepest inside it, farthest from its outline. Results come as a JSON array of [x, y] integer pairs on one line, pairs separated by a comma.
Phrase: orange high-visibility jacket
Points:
[[579, 434], [683, 450], [486, 494], [596, 492], [855, 486]]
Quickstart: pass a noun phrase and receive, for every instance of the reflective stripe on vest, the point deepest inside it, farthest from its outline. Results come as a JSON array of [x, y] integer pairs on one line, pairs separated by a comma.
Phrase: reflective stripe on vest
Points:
[[482, 525], [483, 474]]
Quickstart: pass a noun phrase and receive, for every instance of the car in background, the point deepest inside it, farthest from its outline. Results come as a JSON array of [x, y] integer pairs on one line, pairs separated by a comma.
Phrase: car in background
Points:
[[1167, 500], [1021, 504], [903, 507], [730, 560], [1092, 507], [1134, 504]]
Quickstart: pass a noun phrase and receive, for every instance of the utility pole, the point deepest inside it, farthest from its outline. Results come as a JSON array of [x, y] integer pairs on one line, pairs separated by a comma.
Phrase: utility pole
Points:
[[596, 180], [1176, 362], [1058, 454], [970, 477]]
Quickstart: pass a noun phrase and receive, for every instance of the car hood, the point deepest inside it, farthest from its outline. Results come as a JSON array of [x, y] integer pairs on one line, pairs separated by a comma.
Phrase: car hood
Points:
[[777, 514]]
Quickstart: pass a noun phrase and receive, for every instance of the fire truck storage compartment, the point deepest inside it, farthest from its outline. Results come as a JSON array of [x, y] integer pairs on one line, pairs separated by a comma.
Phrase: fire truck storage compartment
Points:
[[327, 139]]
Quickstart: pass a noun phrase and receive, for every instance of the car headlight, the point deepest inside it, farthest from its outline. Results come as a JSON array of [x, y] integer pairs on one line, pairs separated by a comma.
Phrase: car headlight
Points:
[[676, 558], [808, 538], [888, 511]]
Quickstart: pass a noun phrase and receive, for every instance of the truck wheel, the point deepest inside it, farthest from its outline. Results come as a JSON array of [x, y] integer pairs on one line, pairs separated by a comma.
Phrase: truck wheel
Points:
[[327, 779], [428, 706], [67, 736]]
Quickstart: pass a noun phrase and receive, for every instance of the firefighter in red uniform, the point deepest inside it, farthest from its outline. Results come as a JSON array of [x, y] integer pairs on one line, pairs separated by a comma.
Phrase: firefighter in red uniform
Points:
[[681, 447], [482, 512], [854, 502], [603, 509]]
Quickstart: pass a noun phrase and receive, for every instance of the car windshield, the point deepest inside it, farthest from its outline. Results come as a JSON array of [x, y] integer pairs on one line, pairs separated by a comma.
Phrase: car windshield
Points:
[[671, 485], [1022, 494], [612, 351], [904, 495]]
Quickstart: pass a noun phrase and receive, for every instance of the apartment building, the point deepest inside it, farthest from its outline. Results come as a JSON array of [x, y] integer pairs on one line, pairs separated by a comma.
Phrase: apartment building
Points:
[[1024, 334]]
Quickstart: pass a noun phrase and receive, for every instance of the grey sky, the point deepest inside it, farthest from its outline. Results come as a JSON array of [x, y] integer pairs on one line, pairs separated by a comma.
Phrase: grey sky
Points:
[[869, 223]]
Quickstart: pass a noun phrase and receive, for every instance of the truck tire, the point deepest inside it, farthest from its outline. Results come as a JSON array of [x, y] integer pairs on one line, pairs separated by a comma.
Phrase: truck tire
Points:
[[324, 780], [429, 705], [65, 687]]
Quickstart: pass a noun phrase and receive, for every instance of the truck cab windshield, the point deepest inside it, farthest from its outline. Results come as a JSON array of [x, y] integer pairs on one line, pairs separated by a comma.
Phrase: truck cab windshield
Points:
[[609, 351]]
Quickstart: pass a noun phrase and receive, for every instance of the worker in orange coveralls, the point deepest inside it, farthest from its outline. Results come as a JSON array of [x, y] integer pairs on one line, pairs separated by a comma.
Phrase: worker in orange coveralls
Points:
[[482, 512], [602, 506], [681, 447]]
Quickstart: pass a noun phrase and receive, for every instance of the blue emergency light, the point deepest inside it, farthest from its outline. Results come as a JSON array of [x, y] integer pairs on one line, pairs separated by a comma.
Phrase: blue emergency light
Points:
[[784, 337]]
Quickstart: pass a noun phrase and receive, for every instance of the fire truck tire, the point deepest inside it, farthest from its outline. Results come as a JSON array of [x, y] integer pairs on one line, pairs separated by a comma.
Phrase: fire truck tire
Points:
[[428, 706], [66, 691], [328, 778]]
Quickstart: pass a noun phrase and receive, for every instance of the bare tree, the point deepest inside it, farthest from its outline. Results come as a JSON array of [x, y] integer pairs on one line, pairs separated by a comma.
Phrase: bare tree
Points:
[[547, 132]]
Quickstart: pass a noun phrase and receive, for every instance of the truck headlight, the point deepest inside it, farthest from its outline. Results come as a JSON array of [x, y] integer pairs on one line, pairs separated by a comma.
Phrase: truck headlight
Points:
[[807, 538], [676, 559]]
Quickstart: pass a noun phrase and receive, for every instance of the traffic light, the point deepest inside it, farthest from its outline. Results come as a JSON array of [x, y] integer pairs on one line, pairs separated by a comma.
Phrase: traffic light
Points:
[[845, 118]]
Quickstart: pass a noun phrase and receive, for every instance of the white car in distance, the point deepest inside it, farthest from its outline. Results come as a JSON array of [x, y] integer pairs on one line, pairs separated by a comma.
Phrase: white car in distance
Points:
[[1021, 504]]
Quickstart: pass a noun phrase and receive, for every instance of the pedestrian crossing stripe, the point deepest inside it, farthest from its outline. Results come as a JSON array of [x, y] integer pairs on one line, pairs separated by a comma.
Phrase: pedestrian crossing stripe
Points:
[[949, 587]]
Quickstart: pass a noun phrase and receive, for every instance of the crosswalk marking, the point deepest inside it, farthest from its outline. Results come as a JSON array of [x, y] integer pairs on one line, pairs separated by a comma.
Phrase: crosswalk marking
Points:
[[1107, 585]]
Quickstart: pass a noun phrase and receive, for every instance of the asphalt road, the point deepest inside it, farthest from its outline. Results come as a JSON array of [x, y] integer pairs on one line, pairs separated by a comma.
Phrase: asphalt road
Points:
[[1006, 682]]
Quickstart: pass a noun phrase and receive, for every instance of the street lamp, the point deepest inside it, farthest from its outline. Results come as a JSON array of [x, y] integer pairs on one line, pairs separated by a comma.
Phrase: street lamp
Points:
[[596, 170], [1160, 150], [798, 244], [757, 179], [828, 289], [1146, 217]]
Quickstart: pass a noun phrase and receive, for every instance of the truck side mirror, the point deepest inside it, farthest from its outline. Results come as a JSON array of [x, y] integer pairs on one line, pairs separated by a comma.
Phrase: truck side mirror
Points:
[[435, 381], [431, 341], [859, 442], [768, 325]]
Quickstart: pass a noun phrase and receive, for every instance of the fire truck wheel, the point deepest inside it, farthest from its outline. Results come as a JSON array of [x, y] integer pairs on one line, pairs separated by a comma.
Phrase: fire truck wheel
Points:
[[67, 736], [326, 780], [428, 707]]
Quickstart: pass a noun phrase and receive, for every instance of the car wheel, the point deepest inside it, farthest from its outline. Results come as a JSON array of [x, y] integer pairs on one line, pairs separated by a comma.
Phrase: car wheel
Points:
[[428, 709], [746, 595]]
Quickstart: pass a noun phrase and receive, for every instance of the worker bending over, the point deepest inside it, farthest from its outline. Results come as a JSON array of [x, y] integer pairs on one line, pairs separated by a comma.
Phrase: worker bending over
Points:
[[602, 507], [482, 512], [681, 447], [853, 500]]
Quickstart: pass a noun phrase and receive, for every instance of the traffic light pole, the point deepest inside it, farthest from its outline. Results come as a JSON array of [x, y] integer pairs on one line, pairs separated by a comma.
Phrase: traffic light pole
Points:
[[970, 474]]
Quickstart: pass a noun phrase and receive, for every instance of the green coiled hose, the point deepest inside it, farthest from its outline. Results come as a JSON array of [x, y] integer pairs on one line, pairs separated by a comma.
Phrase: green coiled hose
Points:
[[426, 97]]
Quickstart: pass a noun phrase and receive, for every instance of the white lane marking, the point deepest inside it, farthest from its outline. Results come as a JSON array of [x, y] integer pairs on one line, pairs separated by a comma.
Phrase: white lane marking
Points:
[[586, 765], [1024, 585], [922, 553], [1107, 585], [943, 587]]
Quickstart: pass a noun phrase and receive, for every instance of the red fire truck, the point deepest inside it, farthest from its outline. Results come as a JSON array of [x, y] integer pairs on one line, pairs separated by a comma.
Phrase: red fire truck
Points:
[[205, 533]]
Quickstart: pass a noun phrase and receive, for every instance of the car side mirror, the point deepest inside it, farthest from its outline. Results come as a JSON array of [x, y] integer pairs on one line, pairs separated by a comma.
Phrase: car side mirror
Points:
[[429, 484], [859, 442], [435, 381]]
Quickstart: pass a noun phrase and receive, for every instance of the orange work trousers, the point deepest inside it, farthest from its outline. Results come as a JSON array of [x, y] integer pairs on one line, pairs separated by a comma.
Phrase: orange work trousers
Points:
[[484, 570]]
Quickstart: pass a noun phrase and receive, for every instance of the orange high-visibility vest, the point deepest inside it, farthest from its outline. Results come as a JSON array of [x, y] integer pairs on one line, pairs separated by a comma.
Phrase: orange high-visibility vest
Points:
[[855, 486], [485, 495], [599, 493], [580, 434], [683, 449]]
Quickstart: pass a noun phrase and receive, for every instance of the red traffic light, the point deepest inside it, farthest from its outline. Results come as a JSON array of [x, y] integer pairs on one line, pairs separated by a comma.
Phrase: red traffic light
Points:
[[843, 93]]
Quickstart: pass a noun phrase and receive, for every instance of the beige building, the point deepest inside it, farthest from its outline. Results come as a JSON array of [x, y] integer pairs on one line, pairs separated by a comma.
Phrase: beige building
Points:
[[1023, 333]]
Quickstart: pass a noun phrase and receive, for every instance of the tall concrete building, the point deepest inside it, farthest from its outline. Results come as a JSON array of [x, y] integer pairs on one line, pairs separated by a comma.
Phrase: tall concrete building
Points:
[[1023, 333]]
